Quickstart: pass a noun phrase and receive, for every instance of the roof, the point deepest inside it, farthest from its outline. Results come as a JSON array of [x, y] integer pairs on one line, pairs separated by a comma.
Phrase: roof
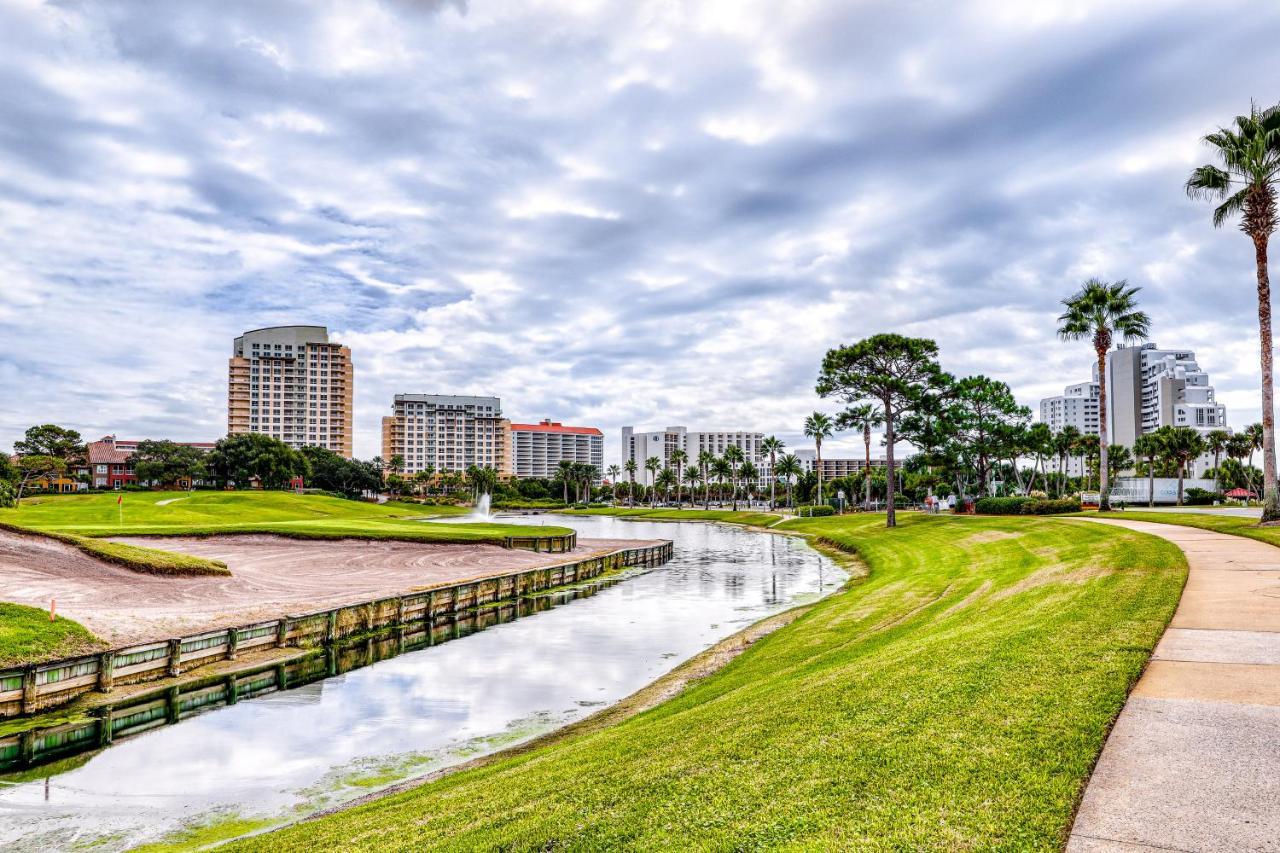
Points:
[[105, 451], [551, 426]]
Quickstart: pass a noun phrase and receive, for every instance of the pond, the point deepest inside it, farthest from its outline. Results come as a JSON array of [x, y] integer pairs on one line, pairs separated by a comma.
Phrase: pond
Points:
[[388, 717]]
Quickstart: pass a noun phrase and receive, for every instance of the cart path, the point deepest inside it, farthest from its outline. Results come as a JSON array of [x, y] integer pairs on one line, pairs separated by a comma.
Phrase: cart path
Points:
[[1193, 763]]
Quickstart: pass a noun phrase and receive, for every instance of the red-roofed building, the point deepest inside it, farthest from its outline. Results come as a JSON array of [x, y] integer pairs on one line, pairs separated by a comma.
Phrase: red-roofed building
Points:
[[109, 461], [538, 449]]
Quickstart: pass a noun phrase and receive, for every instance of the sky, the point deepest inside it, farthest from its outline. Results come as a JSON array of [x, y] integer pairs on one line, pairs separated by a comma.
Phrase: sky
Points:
[[606, 213]]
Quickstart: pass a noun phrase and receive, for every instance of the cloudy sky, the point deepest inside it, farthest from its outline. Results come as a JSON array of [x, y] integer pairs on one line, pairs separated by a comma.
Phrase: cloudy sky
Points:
[[607, 213]]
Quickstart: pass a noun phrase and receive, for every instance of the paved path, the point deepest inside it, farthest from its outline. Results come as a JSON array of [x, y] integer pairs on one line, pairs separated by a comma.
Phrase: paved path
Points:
[[1242, 511], [1193, 763]]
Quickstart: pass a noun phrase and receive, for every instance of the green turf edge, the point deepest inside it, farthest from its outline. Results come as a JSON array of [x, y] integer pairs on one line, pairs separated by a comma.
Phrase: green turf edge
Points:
[[27, 636]]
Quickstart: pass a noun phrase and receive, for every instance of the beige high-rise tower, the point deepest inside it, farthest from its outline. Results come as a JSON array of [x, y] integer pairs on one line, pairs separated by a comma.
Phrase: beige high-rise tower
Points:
[[292, 383]]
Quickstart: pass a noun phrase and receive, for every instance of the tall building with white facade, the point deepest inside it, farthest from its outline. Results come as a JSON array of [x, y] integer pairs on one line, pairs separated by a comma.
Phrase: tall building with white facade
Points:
[[834, 467], [294, 384], [640, 446], [538, 449], [447, 433], [1147, 388]]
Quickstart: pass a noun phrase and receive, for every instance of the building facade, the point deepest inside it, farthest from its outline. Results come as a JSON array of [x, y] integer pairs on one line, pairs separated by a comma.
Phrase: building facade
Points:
[[444, 432], [835, 467], [640, 446], [109, 462], [294, 384], [1147, 388], [538, 449]]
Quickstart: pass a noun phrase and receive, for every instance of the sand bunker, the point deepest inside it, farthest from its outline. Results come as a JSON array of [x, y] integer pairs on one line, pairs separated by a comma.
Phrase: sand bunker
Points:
[[271, 576]]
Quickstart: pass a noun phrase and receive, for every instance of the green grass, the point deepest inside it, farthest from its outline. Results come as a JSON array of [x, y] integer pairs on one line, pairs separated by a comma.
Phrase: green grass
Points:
[[956, 698], [762, 519], [282, 513], [27, 636], [1234, 525]]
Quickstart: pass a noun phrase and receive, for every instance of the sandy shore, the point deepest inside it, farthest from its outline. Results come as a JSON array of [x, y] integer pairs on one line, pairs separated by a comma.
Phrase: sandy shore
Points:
[[271, 576]]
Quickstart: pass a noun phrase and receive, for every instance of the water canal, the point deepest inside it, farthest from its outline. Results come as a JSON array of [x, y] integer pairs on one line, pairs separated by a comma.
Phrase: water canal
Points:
[[385, 717]]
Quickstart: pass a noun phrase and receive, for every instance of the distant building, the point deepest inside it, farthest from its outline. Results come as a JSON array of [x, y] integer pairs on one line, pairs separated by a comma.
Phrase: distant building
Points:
[[108, 462], [538, 449], [640, 446], [447, 433], [833, 468], [1147, 388], [294, 384]]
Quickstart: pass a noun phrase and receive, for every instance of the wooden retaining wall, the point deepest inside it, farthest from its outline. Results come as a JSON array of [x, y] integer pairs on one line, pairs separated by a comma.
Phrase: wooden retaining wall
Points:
[[43, 686]]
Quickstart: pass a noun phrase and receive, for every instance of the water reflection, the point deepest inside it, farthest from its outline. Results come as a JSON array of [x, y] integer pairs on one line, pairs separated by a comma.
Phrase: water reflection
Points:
[[291, 752]]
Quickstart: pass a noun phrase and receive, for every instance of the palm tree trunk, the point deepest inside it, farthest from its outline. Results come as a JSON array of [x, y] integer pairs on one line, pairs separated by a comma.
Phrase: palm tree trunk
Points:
[[866, 441], [1151, 481], [1179, 482], [773, 480], [818, 457], [1104, 501], [1270, 498]]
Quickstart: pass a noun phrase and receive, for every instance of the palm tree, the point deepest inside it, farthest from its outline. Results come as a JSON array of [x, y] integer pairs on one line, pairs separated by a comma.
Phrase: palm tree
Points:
[[1181, 445], [748, 474], [733, 455], [630, 467], [1064, 444], [722, 470], [693, 476], [1119, 458], [1102, 311], [653, 464], [1148, 446], [614, 473], [705, 459], [678, 457], [1216, 442], [1039, 445], [565, 472], [865, 417], [1245, 184], [1256, 434], [818, 426], [666, 479], [1087, 447], [773, 446], [789, 466]]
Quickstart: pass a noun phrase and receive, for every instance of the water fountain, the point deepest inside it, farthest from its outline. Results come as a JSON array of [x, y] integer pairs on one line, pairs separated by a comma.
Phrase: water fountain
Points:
[[481, 512]]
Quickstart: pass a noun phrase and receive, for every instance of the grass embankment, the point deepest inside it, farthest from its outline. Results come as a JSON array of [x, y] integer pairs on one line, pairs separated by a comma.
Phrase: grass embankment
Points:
[[956, 698], [27, 636], [759, 519], [148, 560], [280, 513]]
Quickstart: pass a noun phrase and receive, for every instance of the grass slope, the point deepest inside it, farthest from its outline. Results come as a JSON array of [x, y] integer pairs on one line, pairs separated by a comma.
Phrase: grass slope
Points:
[[283, 513], [1234, 525], [954, 699], [27, 636], [762, 519]]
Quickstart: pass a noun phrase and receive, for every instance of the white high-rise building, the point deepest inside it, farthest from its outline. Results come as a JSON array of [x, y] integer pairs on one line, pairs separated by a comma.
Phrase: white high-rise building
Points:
[[640, 446], [294, 384], [447, 433], [538, 449]]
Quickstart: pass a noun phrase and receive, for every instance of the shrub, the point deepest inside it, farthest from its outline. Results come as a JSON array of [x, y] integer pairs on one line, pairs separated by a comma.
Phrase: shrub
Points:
[[999, 506], [1050, 507], [815, 511], [1026, 506], [1200, 497]]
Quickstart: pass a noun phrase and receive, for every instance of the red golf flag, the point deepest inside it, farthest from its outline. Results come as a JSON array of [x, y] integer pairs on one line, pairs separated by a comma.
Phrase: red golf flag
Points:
[[119, 500]]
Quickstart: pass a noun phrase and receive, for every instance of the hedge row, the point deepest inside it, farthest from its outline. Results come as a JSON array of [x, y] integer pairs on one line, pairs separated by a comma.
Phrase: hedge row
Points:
[[1025, 506], [815, 511]]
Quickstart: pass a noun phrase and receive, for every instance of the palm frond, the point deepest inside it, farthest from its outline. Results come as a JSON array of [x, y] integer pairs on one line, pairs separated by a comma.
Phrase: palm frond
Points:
[[1229, 208], [1208, 182]]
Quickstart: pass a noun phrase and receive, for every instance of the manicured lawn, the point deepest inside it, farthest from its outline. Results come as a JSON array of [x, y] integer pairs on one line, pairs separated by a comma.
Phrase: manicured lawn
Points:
[[955, 698], [27, 636], [1234, 525], [285, 513], [668, 514]]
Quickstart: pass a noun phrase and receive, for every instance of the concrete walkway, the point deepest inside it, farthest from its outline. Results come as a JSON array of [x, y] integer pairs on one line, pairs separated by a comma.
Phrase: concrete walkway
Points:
[[1193, 763]]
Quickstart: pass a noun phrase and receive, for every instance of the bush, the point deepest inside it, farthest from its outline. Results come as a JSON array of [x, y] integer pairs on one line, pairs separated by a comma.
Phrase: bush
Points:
[[1201, 497], [999, 506], [1050, 507], [1025, 506], [815, 511]]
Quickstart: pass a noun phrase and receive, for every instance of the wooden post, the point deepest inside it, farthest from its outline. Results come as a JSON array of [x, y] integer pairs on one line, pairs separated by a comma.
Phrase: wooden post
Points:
[[431, 606], [400, 610], [282, 677], [457, 598], [29, 694], [27, 746], [233, 690], [233, 641], [173, 712], [106, 671], [175, 657], [105, 734], [331, 629], [282, 632]]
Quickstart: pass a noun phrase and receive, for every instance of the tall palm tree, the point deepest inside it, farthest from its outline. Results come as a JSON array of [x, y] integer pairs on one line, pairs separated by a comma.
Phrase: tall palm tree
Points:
[[819, 426], [1256, 435], [693, 476], [789, 466], [1245, 184], [748, 474], [630, 467], [722, 470], [1039, 445], [1182, 445], [705, 458], [1088, 447], [614, 473], [865, 417], [678, 457], [653, 464], [1064, 444], [565, 472], [666, 479], [1147, 446], [1102, 311], [734, 456], [773, 446], [1216, 442]]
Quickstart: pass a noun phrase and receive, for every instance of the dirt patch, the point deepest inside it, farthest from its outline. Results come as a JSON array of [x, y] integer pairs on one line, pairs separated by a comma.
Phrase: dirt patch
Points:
[[270, 576], [1056, 573], [988, 536]]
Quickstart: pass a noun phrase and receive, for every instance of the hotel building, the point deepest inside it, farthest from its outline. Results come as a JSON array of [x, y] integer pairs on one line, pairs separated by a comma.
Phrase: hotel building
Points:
[[834, 467], [294, 384], [538, 449], [640, 446], [446, 432]]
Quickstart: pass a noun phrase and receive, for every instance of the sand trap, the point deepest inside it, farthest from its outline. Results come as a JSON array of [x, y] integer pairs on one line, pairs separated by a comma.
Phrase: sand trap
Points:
[[168, 501], [271, 576]]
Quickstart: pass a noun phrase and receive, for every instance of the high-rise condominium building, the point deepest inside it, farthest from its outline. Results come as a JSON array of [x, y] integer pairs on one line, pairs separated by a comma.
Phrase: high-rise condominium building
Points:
[[836, 466], [640, 446], [447, 433], [294, 384], [1147, 388], [538, 449]]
